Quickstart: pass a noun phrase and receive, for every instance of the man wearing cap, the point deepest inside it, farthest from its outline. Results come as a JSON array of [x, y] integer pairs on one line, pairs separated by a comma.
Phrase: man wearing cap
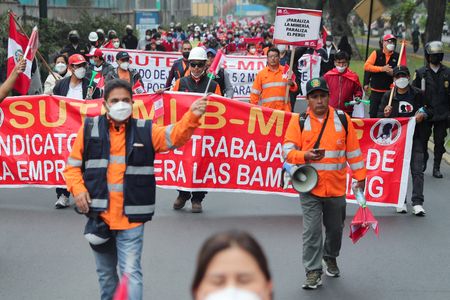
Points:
[[380, 65], [93, 40], [76, 86], [129, 40], [124, 72], [196, 82], [113, 182], [329, 153], [409, 101], [434, 80], [222, 77], [180, 67], [74, 47], [269, 87], [98, 64]]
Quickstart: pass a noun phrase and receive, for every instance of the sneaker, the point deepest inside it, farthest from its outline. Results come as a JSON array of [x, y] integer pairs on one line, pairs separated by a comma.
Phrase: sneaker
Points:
[[62, 202], [402, 210], [331, 268], [313, 280], [437, 173], [418, 210], [179, 203], [196, 207]]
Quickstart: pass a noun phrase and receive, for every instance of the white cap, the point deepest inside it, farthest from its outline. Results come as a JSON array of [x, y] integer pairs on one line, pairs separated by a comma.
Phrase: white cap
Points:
[[128, 27], [198, 53], [93, 37]]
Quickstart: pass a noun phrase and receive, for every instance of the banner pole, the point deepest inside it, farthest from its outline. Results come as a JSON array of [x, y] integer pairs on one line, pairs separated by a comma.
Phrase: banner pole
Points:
[[291, 64], [391, 96], [37, 52]]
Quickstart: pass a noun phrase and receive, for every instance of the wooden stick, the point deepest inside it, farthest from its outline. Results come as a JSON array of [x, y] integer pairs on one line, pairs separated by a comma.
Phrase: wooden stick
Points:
[[391, 96], [291, 64], [37, 53]]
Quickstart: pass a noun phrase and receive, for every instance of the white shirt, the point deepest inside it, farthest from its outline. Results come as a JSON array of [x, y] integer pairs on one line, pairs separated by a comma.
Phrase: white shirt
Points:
[[75, 92]]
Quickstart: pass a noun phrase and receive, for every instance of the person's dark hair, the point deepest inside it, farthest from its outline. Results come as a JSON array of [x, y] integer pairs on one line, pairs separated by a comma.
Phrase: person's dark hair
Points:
[[273, 49], [342, 55], [249, 45], [225, 240], [63, 56], [117, 84]]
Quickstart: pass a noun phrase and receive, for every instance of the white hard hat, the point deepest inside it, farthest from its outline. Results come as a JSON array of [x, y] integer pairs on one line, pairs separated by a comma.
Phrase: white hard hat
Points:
[[198, 53], [128, 27], [197, 28], [93, 37]]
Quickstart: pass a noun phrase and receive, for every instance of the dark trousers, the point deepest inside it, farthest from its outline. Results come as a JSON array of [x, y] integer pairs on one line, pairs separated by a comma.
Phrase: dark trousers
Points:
[[416, 165], [196, 196], [375, 100], [439, 129], [317, 210], [62, 191]]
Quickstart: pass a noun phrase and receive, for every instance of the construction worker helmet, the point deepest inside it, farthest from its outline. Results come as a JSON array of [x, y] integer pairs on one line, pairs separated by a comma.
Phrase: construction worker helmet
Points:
[[198, 53]]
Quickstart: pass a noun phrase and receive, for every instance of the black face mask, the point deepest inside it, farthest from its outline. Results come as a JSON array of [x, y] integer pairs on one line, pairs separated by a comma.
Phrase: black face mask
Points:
[[435, 59], [129, 31], [186, 54], [73, 40], [101, 37]]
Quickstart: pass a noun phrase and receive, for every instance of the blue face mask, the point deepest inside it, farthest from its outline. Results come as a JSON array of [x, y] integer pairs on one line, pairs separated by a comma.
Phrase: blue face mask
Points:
[[91, 61]]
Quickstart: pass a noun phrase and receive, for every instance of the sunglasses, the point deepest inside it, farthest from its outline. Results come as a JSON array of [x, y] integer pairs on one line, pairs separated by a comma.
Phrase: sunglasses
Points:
[[199, 64]]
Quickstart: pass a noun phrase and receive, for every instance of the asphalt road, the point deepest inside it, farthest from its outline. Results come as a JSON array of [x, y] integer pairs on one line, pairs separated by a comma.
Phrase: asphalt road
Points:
[[43, 254]]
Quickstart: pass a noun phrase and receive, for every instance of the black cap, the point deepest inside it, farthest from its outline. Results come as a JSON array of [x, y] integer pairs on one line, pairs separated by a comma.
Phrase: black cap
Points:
[[401, 70], [122, 55], [316, 84]]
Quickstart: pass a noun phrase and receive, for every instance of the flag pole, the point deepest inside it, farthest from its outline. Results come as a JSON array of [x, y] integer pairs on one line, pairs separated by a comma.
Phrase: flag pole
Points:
[[37, 52], [402, 49], [291, 64], [368, 28]]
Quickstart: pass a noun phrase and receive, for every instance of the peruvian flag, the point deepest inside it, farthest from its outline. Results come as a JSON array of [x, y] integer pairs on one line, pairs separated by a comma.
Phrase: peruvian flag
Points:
[[215, 66], [101, 82], [402, 59], [20, 47], [361, 223], [138, 88], [286, 72]]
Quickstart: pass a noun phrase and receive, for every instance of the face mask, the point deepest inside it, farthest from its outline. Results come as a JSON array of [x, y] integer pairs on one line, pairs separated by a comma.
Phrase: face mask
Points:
[[129, 31], [390, 47], [186, 54], [328, 43], [120, 111], [341, 69], [252, 50], [73, 40], [60, 68], [169, 39], [80, 73], [402, 82], [124, 66], [229, 36], [147, 37], [92, 61], [158, 42], [236, 40], [233, 294], [435, 59], [116, 45]]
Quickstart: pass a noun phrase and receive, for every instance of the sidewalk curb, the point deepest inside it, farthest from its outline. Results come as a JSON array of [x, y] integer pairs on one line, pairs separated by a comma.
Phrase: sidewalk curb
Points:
[[445, 157]]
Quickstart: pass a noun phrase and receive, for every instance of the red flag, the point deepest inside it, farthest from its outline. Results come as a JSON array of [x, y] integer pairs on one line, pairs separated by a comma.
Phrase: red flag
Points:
[[33, 45], [158, 106], [215, 66], [17, 44], [122, 289], [402, 59], [101, 82], [138, 88], [285, 73], [361, 223]]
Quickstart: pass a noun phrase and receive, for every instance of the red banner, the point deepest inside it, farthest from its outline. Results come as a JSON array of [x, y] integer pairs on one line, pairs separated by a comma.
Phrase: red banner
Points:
[[237, 149]]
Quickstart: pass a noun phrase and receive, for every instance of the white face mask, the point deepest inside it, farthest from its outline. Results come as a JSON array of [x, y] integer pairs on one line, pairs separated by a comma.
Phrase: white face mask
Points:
[[252, 50], [402, 82], [120, 111], [60, 68], [328, 43], [80, 73], [390, 47], [233, 293], [341, 69], [116, 45], [124, 66]]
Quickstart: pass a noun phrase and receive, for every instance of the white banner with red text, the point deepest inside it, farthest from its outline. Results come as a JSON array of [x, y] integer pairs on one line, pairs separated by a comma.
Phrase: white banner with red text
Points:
[[237, 149]]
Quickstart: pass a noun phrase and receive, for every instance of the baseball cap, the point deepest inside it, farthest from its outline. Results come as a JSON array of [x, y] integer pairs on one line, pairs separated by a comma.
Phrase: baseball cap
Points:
[[95, 52], [401, 70], [76, 59], [98, 234], [122, 55], [316, 84], [211, 50], [388, 37]]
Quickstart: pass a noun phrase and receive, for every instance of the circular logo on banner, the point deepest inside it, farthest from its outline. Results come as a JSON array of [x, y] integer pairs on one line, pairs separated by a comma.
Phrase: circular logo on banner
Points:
[[386, 132], [2, 117], [18, 55]]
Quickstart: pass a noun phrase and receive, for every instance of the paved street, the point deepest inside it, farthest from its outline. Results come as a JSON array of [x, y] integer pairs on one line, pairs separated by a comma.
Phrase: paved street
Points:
[[43, 254]]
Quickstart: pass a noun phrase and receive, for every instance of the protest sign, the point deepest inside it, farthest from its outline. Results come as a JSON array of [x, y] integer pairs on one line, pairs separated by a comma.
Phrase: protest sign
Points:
[[297, 27], [237, 149]]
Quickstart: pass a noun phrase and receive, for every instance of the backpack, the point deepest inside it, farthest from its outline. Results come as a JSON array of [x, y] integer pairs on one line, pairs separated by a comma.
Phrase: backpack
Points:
[[341, 116]]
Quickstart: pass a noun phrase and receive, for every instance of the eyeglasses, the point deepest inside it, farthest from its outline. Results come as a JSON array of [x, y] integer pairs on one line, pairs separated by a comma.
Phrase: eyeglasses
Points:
[[198, 64], [273, 57]]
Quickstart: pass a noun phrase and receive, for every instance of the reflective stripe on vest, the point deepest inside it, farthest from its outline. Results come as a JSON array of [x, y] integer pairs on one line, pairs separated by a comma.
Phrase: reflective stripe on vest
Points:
[[328, 167], [117, 187], [337, 122], [117, 159], [139, 209], [94, 132], [334, 154], [169, 130], [353, 154], [274, 84], [288, 147], [272, 99], [99, 203], [357, 166], [96, 163], [74, 162], [255, 91], [132, 170]]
